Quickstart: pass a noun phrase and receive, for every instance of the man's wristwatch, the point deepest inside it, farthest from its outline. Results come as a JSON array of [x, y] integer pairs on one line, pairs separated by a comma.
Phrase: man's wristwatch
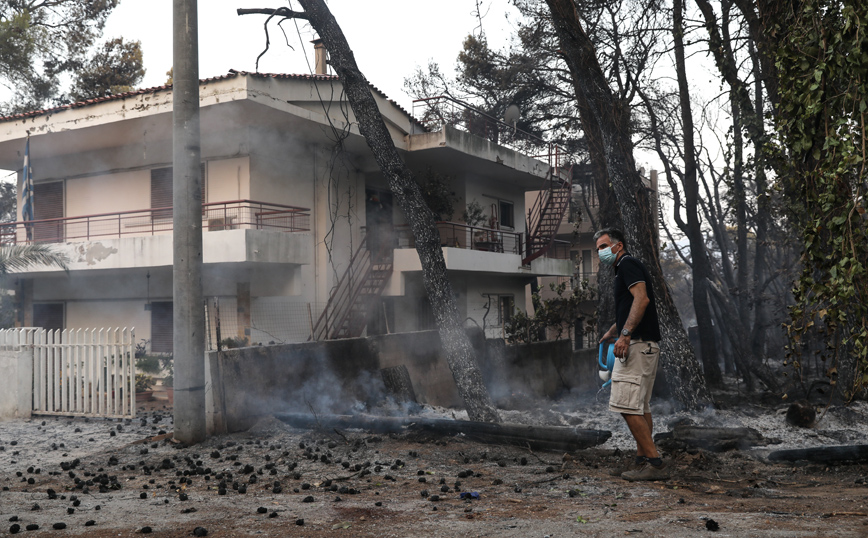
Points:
[[625, 332]]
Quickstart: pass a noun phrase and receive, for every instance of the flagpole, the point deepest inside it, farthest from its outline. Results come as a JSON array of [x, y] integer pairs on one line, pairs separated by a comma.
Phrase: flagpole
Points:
[[27, 192]]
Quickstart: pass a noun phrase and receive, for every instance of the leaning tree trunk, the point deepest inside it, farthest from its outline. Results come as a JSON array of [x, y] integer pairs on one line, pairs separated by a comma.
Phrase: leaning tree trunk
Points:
[[679, 362], [456, 344]]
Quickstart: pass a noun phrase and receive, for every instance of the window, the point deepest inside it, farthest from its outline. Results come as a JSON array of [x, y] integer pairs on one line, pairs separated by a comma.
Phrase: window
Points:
[[48, 204], [162, 327], [507, 216], [587, 268], [506, 306], [48, 316]]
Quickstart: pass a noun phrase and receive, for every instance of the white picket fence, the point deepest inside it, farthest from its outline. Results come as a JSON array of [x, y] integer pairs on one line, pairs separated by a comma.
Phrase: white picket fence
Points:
[[80, 371]]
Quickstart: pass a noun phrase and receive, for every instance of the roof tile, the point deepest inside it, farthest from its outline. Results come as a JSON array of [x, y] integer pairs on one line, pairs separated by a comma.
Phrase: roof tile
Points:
[[232, 74]]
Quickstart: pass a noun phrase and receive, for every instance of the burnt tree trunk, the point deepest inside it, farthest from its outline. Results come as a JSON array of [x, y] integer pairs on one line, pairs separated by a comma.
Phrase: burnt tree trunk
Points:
[[608, 214], [398, 384], [679, 362], [456, 344], [701, 263]]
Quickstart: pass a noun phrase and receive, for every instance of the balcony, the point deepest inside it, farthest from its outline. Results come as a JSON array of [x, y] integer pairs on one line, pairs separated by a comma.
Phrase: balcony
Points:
[[435, 112], [219, 216], [480, 250], [237, 232], [457, 235]]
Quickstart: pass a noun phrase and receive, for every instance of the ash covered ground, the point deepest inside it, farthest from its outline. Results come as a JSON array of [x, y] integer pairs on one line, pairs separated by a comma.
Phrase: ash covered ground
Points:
[[100, 477]]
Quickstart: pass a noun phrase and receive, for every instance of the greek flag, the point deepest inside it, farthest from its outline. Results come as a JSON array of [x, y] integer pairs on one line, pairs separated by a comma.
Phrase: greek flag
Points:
[[27, 192]]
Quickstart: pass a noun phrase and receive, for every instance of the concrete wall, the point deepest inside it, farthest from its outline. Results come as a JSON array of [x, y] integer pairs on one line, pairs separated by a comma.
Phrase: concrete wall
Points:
[[16, 375], [423, 356], [342, 376], [538, 370], [324, 377]]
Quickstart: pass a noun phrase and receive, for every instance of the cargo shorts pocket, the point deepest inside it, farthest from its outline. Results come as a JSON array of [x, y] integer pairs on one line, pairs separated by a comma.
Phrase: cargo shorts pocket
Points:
[[626, 391]]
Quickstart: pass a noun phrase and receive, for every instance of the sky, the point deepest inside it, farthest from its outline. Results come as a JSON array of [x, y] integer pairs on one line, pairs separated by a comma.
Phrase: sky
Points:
[[389, 37]]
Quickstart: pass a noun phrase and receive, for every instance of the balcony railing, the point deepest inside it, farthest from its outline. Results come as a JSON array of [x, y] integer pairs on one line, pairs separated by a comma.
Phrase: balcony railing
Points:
[[434, 112], [458, 235], [232, 215]]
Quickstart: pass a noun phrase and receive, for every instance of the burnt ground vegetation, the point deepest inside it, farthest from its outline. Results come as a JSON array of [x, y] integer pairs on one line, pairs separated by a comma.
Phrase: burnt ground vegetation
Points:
[[102, 477]]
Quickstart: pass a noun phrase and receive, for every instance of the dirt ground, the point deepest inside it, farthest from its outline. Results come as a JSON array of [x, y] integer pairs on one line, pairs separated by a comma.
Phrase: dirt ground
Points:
[[124, 476]]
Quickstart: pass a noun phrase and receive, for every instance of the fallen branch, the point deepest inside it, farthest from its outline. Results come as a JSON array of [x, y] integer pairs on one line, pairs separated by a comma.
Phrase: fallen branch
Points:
[[713, 439], [533, 437], [826, 454]]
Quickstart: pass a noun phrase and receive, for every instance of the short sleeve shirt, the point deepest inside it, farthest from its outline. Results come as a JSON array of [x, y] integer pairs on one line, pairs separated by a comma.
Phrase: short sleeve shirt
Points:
[[629, 271]]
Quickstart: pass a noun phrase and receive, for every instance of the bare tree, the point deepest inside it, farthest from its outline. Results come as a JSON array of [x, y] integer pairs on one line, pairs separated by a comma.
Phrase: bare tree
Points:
[[459, 352]]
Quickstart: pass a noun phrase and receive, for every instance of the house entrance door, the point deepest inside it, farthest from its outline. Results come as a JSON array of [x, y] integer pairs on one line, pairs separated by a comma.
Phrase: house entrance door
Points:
[[380, 229]]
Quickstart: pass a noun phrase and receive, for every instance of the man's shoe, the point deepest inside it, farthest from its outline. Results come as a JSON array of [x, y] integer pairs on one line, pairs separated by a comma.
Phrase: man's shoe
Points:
[[631, 466], [647, 472]]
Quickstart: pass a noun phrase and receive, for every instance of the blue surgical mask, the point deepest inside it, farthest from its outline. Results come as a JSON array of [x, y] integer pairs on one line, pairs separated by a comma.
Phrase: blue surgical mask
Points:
[[606, 256]]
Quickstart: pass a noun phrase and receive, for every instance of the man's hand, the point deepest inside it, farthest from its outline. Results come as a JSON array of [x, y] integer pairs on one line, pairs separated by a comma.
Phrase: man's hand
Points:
[[610, 335], [622, 347]]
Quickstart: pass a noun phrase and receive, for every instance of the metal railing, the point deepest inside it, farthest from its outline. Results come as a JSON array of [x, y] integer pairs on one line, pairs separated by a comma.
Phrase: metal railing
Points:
[[434, 112], [216, 216], [457, 235]]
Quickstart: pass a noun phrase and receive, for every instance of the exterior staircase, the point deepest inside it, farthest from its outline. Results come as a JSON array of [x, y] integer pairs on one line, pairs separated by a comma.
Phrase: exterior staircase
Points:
[[545, 216], [354, 298]]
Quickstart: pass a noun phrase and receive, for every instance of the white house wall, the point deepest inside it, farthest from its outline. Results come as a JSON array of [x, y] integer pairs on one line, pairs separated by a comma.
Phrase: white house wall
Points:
[[482, 292], [488, 191], [228, 179]]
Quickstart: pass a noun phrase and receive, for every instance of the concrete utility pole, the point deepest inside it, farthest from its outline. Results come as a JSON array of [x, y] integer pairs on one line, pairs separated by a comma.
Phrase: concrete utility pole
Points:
[[189, 322]]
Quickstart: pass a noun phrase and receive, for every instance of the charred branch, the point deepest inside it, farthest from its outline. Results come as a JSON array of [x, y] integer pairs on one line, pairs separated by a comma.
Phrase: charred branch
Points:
[[553, 438]]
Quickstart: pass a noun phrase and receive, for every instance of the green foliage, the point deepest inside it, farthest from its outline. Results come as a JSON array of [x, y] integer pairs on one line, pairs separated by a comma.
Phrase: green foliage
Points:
[[115, 68], [234, 342], [150, 364], [41, 42], [154, 364], [8, 201], [822, 123], [437, 193], [144, 382], [474, 215], [22, 257], [555, 314]]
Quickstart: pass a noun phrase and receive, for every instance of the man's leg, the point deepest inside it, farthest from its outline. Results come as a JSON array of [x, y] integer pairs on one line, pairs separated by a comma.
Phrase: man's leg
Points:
[[640, 427]]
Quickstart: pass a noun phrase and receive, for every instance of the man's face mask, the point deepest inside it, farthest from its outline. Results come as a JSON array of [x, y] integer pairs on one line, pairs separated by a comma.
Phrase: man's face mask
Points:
[[607, 256]]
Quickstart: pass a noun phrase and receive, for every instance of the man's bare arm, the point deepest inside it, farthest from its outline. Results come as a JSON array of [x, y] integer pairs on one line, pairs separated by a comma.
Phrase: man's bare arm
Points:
[[640, 303]]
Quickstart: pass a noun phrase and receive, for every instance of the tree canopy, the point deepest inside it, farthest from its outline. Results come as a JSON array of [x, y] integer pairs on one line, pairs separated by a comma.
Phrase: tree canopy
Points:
[[41, 41]]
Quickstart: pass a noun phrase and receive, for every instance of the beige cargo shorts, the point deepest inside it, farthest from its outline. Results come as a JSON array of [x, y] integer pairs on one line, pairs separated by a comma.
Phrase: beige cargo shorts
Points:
[[633, 379]]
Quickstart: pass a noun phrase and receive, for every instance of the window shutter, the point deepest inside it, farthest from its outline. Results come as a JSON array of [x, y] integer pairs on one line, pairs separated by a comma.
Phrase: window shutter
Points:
[[161, 189], [162, 334], [48, 204]]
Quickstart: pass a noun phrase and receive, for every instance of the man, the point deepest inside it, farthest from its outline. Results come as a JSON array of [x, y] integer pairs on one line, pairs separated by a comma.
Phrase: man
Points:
[[635, 334]]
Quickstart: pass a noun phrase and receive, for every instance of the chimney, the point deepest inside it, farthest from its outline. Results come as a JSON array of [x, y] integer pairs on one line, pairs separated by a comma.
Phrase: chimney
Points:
[[321, 57]]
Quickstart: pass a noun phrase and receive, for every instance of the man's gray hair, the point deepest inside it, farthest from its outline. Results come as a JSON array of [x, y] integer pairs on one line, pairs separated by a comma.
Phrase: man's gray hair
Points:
[[614, 234]]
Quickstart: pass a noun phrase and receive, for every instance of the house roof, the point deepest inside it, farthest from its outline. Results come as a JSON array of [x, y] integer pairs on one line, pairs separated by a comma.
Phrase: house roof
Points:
[[232, 74]]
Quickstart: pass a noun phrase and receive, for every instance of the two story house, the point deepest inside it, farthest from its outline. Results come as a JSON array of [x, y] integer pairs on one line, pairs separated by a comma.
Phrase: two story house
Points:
[[302, 239]]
